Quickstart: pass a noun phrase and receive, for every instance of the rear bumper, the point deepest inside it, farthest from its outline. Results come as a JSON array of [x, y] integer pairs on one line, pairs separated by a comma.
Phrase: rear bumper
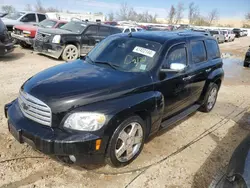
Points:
[[49, 49], [22, 38], [54, 141], [6, 48]]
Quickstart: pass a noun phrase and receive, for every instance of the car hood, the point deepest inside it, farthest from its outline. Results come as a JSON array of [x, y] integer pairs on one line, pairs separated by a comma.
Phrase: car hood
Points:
[[68, 85], [8, 21], [26, 27], [55, 31]]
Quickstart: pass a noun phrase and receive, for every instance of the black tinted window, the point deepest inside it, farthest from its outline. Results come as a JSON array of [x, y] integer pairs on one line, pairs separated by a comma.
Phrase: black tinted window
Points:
[[198, 52], [133, 30], [41, 17], [177, 54], [126, 31], [92, 30], [115, 30], [30, 18], [104, 31], [212, 49]]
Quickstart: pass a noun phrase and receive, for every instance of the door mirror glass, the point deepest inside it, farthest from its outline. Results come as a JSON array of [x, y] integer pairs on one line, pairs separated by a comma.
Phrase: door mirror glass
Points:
[[178, 67]]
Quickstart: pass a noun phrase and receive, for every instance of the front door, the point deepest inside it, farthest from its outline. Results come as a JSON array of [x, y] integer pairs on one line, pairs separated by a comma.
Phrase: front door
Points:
[[175, 86], [89, 39]]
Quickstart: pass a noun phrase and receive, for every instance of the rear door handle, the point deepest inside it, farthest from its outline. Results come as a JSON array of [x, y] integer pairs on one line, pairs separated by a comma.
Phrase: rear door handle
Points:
[[208, 70]]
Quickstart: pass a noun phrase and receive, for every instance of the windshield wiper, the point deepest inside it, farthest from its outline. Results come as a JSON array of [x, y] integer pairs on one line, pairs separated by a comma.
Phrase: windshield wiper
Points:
[[114, 66]]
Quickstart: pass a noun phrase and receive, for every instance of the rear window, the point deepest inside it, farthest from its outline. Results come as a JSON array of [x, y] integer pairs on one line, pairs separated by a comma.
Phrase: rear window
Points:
[[212, 49], [214, 32], [198, 52]]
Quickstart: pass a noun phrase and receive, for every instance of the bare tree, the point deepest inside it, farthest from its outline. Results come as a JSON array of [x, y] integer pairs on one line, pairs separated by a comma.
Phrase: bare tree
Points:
[[179, 12], [39, 7], [248, 16], [213, 16], [122, 14], [8, 9], [193, 12], [171, 15], [52, 9], [110, 16], [28, 7]]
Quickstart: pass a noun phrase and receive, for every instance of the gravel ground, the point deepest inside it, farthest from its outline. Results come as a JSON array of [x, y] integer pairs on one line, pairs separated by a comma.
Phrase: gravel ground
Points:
[[186, 155]]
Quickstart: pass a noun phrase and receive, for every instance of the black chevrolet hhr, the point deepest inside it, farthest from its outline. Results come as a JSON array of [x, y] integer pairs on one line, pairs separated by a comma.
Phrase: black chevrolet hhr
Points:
[[104, 107]]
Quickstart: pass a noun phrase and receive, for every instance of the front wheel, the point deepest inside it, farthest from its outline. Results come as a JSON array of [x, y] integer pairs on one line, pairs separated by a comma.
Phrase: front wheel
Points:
[[210, 98], [246, 64], [127, 142], [70, 53]]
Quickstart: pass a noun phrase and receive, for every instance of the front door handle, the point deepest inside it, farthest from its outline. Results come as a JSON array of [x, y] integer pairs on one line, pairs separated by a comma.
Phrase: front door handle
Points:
[[208, 70]]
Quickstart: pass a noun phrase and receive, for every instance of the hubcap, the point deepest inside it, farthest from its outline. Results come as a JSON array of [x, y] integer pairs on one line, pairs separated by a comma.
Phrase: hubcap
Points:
[[71, 53], [212, 98], [129, 142]]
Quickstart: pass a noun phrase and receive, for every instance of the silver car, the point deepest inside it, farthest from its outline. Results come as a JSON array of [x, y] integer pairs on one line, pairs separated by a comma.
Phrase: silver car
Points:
[[218, 35]]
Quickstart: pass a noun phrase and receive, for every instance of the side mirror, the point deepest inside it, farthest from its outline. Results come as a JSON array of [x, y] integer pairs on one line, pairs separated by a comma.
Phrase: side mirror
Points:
[[175, 67]]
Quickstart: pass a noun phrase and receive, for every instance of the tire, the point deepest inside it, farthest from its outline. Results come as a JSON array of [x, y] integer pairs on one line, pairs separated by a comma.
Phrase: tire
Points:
[[24, 45], [219, 179], [123, 138], [210, 98], [246, 64], [70, 53]]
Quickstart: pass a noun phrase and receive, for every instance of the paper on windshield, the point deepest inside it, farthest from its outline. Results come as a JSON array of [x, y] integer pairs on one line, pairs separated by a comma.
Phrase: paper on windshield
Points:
[[144, 51]]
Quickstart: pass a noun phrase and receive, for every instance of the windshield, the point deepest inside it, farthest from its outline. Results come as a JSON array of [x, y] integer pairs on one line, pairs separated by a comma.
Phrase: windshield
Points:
[[76, 27], [126, 54], [14, 16], [47, 23]]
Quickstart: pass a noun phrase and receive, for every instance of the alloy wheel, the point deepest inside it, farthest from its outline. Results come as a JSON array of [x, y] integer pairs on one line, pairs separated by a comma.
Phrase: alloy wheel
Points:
[[212, 98], [71, 53], [129, 142]]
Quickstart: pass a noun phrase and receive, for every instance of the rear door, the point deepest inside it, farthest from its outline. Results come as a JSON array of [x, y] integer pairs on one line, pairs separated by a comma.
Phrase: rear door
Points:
[[89, 38], [103, 32], [29, 18]]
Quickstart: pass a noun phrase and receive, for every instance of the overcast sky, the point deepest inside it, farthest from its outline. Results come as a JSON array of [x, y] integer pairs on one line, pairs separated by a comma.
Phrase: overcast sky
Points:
[[227, 8]]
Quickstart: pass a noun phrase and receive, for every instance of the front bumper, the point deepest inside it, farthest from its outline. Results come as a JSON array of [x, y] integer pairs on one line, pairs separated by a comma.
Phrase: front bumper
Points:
[[49, 49], [247, 58], [22, 38], [54, 141], [6, 48]]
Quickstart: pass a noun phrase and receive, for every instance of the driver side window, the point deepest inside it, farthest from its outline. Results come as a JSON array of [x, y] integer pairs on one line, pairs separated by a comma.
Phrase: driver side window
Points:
[[29, 18], [177, 54]]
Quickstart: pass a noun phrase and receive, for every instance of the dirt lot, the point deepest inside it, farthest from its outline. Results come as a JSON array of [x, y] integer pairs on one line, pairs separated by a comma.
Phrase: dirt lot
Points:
[[187, 155]]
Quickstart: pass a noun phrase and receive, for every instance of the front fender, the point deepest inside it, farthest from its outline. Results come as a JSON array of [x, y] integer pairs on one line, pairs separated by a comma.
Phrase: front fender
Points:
[[240, 161]]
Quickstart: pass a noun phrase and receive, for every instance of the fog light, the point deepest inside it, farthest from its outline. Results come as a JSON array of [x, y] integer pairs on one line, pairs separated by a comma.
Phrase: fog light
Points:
[[72, 158], [98, 144]]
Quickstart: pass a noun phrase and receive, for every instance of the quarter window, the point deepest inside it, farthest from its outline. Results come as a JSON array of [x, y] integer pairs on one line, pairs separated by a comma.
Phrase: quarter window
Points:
[[41, 17], [212, 49], [177, 54], [198, 52]]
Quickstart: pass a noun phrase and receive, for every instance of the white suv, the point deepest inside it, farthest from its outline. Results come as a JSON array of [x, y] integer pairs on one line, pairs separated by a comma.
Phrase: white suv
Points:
[[229, 35], [128, 29]]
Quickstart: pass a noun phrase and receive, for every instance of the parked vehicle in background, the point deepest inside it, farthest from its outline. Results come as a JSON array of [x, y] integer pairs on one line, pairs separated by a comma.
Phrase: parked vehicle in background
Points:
[[229, 35], [6, 45], [237, 32], [25, 34], [247, 59], [127, 29], [218, 35], [204, 31], [130, 86], [72, 40], [2, 14], [24, 17], [113, 23]]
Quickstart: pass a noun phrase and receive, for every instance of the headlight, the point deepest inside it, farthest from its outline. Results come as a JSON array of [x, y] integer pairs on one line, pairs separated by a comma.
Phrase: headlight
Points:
[[85, 121], [56, 39]]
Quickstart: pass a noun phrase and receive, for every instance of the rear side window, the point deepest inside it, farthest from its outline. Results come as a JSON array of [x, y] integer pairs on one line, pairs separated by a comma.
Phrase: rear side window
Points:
[[104, 31], [133, 30], [212, 49], [177, 54], [126, 31], [41, 17], [115, 30], [198, 52], [92, 30]]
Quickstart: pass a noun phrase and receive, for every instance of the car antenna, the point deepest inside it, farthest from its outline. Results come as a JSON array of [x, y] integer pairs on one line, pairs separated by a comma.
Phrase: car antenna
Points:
[[130, 34]]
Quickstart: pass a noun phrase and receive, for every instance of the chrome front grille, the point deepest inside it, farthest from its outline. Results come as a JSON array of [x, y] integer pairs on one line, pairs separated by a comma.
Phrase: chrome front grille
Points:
[[34, 109], [42, 37]]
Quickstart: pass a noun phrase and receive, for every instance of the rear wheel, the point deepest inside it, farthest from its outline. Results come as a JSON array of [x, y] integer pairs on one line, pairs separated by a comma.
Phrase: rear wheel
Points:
[[70, 53], [210, 98], [127, 142]]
